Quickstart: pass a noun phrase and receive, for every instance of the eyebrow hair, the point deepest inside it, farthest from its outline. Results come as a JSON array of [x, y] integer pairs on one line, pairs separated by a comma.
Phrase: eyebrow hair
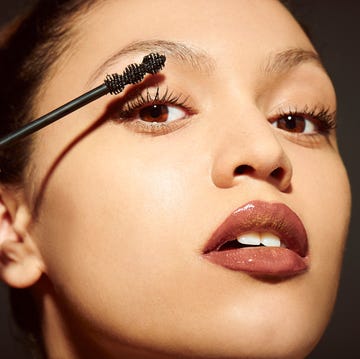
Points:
[[183, 53], [200, 60], [285, 60]]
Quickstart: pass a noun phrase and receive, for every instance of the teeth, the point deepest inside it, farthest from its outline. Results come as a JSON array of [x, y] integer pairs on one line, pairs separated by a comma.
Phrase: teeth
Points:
[[270, 240], [251, 238], [255, 239]]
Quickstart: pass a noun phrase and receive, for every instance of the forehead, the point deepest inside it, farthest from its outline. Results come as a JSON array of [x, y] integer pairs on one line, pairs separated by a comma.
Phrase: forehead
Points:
[[230, 29]]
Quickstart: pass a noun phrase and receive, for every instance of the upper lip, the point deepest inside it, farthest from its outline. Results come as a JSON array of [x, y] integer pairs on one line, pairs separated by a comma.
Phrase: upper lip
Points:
[[259, 216]]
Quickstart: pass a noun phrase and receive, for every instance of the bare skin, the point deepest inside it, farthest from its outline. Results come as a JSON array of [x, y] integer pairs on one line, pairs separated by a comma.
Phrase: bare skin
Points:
[[125, 209]]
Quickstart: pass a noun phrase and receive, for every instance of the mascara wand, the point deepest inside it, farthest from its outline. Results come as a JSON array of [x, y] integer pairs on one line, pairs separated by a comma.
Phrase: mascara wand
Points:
[[113, 84]]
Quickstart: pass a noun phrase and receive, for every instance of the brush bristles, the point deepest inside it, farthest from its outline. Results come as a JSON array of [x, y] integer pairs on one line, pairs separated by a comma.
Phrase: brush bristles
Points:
[[135, 73], [153, 63]]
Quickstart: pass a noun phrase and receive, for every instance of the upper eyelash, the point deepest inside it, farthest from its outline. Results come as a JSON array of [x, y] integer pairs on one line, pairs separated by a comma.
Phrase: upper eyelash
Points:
[[326, 117], [147, 99]]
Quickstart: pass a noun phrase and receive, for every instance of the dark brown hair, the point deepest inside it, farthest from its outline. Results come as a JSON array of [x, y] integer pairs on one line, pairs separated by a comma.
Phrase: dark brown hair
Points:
[[29, 47], [36, 40]]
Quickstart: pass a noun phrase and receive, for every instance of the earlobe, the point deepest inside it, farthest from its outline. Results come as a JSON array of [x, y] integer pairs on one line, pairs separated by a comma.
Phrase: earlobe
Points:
[[20, 263]]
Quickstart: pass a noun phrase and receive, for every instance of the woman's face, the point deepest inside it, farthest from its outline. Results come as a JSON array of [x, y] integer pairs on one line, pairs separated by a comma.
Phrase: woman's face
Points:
[[134, 213]]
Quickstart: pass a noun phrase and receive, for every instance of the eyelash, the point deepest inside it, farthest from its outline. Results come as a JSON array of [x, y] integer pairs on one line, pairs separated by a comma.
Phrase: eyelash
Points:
[[140, 101], [130, 109], [323, 119]]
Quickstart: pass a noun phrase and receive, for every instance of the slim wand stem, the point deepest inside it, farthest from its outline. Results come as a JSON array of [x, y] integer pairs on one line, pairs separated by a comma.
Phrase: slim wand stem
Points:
[[55, 115], [113, 84]]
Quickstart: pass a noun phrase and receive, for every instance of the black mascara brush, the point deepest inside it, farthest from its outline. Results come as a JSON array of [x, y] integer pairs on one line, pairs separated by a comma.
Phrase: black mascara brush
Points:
[[113, 84]]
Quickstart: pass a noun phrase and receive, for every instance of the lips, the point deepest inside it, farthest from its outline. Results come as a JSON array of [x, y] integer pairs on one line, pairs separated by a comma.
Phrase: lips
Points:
[[260, 220]]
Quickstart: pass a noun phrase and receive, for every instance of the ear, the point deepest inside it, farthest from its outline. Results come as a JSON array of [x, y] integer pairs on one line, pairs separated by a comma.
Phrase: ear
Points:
[[21, 264]]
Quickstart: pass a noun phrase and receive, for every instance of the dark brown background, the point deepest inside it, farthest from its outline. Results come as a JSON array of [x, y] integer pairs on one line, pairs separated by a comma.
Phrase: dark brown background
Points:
[[335, 29]]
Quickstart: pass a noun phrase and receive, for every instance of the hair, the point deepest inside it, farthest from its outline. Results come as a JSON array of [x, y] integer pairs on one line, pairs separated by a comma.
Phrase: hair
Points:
[[29, 47]]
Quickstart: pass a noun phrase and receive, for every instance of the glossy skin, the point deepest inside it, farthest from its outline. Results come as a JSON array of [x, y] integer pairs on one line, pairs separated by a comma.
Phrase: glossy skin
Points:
[[124, 215]]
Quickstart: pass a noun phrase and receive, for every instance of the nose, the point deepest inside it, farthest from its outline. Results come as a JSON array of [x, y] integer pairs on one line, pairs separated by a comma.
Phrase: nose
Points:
[[249, 147]]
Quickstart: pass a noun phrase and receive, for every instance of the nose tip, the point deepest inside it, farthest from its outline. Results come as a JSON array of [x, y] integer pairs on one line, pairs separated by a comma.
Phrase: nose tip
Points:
[[259, 156]]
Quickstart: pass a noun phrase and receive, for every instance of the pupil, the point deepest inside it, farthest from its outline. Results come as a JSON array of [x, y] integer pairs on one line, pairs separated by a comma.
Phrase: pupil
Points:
[[156, 111], [291, 122]]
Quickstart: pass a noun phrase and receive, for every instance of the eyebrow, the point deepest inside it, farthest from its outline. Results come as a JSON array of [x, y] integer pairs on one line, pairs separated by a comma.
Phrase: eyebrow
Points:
[[200, 60], [286, 60], [180, 52]]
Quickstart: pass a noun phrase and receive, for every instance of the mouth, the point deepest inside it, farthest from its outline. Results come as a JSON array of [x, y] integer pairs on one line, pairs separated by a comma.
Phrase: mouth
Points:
[[262, 239]]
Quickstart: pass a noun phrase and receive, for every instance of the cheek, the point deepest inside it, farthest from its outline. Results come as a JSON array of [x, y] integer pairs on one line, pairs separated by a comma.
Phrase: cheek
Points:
[[109, 201], [116, 230], [321, 185], [115, 217]]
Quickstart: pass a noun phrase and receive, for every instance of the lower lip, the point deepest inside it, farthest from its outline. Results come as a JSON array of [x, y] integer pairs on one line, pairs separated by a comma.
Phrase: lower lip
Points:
[[260, 261]]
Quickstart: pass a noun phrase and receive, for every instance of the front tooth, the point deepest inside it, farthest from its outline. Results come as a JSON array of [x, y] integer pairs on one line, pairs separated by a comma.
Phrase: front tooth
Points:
[[251, 238], [270, 240]]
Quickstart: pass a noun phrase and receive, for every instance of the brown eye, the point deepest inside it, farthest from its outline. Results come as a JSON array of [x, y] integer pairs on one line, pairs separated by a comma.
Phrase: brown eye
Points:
[[160, 113], [295, 123], [154, 113]]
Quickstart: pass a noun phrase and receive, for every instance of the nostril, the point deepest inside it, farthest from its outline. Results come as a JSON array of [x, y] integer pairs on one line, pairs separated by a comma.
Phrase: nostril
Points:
[[243, 169], [278, 173]]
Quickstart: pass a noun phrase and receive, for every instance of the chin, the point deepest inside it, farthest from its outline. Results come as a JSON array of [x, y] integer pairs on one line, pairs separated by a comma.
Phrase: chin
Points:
[[262, 339], [283, 328]]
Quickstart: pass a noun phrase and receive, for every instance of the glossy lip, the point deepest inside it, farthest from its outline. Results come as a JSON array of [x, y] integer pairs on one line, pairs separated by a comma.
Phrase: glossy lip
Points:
[[259, 216]]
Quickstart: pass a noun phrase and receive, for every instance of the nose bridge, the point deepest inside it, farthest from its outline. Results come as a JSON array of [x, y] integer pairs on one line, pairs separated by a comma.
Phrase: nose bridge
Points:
[[247, 146]]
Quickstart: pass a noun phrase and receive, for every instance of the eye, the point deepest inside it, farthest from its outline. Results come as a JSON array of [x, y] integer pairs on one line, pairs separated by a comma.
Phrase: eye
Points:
[[161, 113], [296, 123]]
